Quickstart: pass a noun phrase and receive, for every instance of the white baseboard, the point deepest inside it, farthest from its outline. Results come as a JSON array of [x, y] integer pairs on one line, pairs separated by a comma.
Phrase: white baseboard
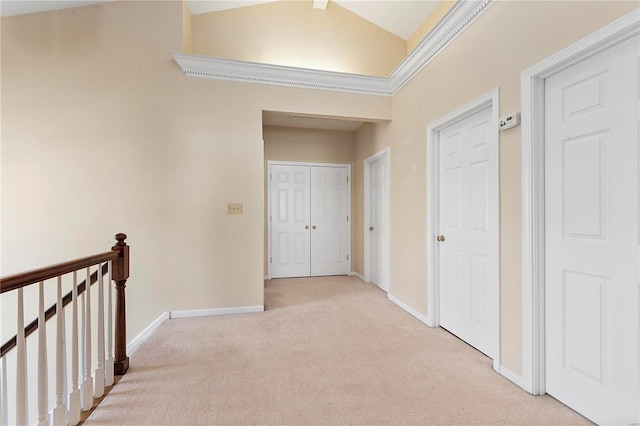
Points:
[[215, 311], [136, 341], [508, 374], [357, 275], [409, 309]]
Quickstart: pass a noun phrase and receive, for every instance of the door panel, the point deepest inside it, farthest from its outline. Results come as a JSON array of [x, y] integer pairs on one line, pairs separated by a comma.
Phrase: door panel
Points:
[[591, 236], [377, 226], [329, 217], [468, 199], [290, 214], [310, 231]]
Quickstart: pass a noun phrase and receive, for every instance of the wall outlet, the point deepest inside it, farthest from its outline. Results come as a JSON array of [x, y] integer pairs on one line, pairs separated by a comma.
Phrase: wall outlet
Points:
[[234, 208]]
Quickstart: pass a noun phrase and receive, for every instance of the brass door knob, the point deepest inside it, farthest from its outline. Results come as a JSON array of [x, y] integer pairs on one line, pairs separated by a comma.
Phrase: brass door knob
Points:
[[371, 228], [440, 238], [306, 227], [314, 227]]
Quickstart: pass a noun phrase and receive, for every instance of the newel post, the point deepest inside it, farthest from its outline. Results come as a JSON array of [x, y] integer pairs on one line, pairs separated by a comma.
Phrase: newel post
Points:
[[120, 274]]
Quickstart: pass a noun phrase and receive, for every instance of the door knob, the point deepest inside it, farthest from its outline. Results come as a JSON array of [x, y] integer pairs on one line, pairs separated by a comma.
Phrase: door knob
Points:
[[440, 238], [306, 227], [371, 228], [314, 227]]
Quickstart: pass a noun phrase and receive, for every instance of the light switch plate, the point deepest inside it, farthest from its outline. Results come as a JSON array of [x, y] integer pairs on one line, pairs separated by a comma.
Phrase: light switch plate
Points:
[[234, 208]]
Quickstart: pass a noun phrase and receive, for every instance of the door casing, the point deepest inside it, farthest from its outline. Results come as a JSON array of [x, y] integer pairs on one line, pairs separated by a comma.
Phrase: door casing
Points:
[[367, 218], [269, 209], [533, 181], [491, 99]]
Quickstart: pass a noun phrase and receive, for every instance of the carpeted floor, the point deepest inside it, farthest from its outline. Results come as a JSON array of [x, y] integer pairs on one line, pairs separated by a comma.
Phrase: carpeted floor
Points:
[[326, 351]]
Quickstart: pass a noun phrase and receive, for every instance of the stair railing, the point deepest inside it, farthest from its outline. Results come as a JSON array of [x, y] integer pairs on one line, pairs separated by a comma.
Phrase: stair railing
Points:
[[69, 402]]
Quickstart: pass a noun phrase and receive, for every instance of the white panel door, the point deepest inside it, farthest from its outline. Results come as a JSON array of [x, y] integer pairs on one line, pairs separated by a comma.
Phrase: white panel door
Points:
[[330, 221], [468, 199], [290, 226], [377, 226], [591, 236]]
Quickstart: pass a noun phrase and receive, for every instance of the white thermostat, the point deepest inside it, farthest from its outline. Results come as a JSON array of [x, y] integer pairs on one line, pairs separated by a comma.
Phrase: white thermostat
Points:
[[509, 121]]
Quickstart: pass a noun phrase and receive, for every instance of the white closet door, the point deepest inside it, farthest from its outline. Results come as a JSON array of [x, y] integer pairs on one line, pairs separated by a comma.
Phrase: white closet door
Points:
[[379, 182], [469, 228], [591, 236], [330, 221], [290, 227]]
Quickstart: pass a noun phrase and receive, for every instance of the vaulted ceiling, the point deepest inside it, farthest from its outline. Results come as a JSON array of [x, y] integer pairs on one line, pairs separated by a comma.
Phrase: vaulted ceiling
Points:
[[400, 17]]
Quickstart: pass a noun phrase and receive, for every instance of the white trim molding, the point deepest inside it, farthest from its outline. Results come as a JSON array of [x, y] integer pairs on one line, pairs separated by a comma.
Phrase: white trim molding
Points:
[[357, 275], [510, 375], [489, 99], [137, 341], [194, 313], [532, 98], [408, 309], [455, 21]]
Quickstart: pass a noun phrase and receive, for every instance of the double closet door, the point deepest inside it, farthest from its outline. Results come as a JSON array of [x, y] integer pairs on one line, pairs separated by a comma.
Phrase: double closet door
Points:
[[309, 220]]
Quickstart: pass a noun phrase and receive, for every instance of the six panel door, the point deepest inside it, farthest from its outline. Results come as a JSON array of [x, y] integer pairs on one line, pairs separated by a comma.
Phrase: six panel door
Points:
[[468, 224], [309, 220], [592, 235]]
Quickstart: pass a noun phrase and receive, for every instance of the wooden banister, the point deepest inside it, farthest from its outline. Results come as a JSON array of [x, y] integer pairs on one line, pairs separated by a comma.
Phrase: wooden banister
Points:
[[120, 274], [23, 279], [119, 257], [49, 313]]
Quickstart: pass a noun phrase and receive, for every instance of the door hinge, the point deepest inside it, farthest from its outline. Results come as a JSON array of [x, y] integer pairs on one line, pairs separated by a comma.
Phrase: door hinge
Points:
[[347, 178], [270, 176], [270, 218], [347, 257], [271, 260], [347, 218]]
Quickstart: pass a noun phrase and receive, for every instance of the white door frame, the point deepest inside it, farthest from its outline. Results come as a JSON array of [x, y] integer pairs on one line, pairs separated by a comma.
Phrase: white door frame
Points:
[[367, 217], [491, 99], [533, 180], [296, 163]]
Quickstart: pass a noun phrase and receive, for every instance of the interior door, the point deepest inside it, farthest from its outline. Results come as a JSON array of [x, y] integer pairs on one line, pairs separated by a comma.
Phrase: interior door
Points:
[[592, 235], [330, 221], [290, 216], [377, 226], [468, 228], [310, 224]]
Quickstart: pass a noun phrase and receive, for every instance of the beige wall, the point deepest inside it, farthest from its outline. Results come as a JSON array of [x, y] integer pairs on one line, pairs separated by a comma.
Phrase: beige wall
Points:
[[187, 30], [432, 20], [308, 145], [293, 33], [479, 60], [102, 133]]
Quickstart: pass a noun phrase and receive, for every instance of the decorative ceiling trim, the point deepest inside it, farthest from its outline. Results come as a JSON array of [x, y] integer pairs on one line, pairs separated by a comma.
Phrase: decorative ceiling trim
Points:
[[459, 18]]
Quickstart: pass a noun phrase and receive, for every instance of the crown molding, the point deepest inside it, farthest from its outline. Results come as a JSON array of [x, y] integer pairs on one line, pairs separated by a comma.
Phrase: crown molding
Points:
[[459, 18]]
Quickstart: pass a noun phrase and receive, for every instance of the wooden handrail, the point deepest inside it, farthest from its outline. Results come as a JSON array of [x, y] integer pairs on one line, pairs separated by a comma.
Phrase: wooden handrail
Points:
[[119, 257], [23, 279], [49, 313]]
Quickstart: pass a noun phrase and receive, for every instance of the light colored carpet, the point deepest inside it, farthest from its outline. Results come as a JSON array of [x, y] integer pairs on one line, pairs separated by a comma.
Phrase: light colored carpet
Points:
[[326, 351]]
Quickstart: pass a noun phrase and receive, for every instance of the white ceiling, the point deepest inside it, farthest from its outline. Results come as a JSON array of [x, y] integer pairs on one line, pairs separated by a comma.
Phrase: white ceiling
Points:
[[400, 17]]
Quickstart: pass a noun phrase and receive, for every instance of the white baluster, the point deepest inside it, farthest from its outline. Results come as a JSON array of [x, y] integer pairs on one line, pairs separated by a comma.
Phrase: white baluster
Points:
[[99, 373], [74, 397], [43, 377], [60, 410], [4, 407], [22, 411], [109, 375], [86, 389]]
